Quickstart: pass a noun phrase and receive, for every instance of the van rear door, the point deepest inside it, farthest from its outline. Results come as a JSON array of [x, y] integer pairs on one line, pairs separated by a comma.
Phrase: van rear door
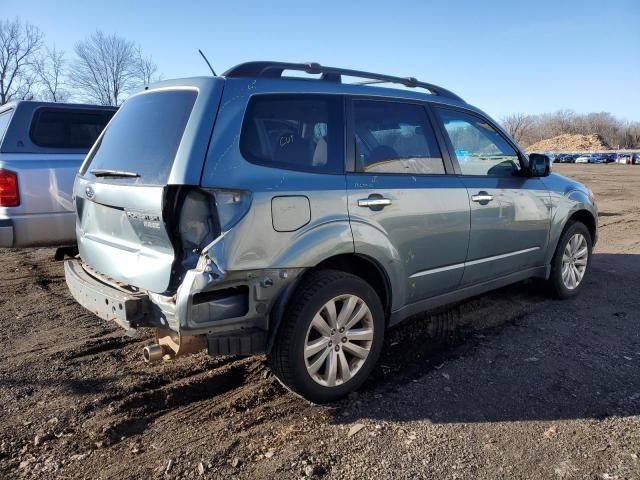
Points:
[[158, 138]]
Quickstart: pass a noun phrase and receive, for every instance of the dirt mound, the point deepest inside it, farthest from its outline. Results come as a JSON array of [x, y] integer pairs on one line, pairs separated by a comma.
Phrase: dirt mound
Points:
[[570, 143]]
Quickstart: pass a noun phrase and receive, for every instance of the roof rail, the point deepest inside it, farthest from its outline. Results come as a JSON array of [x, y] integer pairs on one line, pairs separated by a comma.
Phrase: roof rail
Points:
[[331, 74]]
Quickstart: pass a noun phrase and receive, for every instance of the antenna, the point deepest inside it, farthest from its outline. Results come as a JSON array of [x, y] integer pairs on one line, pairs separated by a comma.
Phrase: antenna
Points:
[[205, 59]]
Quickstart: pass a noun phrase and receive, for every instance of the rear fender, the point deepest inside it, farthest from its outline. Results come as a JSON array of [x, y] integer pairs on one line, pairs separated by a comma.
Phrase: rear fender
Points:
[[374, 243], [304, 249]]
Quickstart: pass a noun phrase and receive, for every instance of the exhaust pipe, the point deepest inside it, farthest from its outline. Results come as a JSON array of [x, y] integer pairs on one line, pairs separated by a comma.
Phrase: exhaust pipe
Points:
[[153, 353], [172, 344]]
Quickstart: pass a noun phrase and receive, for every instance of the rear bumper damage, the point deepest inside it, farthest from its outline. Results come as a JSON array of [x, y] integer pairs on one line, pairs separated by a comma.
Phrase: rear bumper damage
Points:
[[228, 312], [127, 309]]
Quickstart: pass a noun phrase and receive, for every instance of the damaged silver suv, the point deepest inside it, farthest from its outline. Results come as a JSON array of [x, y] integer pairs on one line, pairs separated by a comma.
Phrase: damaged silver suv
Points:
[[301, 217]]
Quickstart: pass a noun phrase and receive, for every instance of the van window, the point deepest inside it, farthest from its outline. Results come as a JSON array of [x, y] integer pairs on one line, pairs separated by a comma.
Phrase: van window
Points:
[[5, 119], [144, 137], [58, 128], [393, 137], [295, 132]]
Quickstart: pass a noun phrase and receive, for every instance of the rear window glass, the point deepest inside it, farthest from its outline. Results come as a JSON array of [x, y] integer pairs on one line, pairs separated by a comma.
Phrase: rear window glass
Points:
[[144, 137], [295, 132], [56, 128]]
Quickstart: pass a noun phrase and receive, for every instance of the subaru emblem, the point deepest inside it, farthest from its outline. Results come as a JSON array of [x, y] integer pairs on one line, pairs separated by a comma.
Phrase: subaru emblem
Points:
[[90, 193]]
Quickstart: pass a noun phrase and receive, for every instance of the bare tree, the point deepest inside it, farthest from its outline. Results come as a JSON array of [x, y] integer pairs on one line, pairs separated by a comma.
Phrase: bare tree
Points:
[[107, 68], [629, 136], [147, 69], [20, 44], [50, 69], [560, 122], [518, 125]]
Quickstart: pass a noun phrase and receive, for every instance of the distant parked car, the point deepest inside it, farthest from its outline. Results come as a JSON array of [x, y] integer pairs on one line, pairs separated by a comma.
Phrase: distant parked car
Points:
[[583, 159], [635, 159], [42, 146], [566, 158], [624, 158]]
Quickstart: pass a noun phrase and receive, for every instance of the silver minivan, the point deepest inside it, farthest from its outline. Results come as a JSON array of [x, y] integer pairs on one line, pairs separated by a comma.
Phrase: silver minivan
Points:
[[301, 217]]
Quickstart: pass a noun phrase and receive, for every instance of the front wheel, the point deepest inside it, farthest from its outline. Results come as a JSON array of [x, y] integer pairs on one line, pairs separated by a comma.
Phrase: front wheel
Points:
[[571, 261], [331, 337]]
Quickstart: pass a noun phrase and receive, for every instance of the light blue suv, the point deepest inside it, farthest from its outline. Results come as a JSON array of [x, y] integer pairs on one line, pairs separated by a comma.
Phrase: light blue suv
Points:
[[260, 212]]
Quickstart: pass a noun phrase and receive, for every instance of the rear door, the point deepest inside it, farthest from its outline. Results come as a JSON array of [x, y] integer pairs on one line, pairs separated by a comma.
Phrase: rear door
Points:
[[157, 138], [404, 198], [510, 213]]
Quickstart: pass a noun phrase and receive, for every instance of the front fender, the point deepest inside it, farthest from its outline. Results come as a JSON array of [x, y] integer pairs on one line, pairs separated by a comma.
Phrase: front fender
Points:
[[565, 206]]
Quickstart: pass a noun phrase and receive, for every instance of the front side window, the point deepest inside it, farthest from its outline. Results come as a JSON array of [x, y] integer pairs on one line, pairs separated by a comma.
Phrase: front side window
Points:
[[56, 128], [478, 147], [393, 137], [294, 132]]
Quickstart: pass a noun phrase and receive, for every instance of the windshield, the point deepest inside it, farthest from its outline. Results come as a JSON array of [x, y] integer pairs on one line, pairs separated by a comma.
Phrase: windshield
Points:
[[143, 138]]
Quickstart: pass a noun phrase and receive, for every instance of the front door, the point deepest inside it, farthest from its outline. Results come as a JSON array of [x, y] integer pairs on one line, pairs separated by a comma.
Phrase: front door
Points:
[[404, 201], [510, 213]]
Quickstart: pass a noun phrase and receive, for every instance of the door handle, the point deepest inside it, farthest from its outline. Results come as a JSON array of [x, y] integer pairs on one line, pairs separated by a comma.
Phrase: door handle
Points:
[[374, 202], [482, 198]]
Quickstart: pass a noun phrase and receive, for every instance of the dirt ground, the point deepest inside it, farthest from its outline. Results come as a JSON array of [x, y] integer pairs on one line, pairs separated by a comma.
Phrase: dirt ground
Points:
[[507, 385]]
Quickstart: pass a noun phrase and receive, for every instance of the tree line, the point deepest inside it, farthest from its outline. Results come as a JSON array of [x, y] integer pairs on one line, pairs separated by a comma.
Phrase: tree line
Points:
[[106, 68], [103, 68], [615, 133]]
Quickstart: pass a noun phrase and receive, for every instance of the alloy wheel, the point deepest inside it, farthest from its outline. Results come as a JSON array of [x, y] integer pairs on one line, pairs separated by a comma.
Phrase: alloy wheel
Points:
[[338, 340], [574, 261]]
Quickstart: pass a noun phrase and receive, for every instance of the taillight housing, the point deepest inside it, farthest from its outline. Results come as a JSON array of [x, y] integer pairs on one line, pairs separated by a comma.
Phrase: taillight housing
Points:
[[9, 194], [203, 215], [206, 213]]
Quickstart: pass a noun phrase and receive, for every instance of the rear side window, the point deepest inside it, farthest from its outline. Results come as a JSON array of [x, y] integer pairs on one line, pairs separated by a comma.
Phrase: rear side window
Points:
[[394, 137], [144, 137], [57, 128], [295, 132]]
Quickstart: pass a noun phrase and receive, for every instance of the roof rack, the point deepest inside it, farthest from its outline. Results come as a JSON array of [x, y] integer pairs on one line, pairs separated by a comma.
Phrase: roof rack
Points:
[[331, 74]]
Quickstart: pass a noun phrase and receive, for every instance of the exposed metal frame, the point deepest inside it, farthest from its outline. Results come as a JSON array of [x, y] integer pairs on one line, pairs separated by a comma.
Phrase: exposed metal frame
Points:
[[267, 69]]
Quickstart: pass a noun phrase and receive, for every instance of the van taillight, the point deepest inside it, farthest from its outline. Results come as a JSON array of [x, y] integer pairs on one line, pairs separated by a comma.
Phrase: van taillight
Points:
[[9, 196]]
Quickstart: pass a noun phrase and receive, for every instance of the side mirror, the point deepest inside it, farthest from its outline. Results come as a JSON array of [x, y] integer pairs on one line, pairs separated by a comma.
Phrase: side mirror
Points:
[[539, 165]]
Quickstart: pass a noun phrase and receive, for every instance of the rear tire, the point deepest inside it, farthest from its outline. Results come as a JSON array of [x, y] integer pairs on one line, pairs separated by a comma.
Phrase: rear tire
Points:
[[331, 336], [571, 261]]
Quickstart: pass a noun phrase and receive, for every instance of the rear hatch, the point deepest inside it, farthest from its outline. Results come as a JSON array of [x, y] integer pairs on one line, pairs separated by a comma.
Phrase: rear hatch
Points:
[[156, 142]]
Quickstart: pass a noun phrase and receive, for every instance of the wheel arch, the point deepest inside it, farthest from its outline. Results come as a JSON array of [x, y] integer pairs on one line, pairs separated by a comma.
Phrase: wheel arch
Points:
[[366, 268], [576, 206], [587, 218], [361, 266]]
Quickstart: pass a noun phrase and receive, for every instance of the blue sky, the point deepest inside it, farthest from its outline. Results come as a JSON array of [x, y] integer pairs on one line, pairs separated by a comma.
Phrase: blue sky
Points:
[[502, 56]]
